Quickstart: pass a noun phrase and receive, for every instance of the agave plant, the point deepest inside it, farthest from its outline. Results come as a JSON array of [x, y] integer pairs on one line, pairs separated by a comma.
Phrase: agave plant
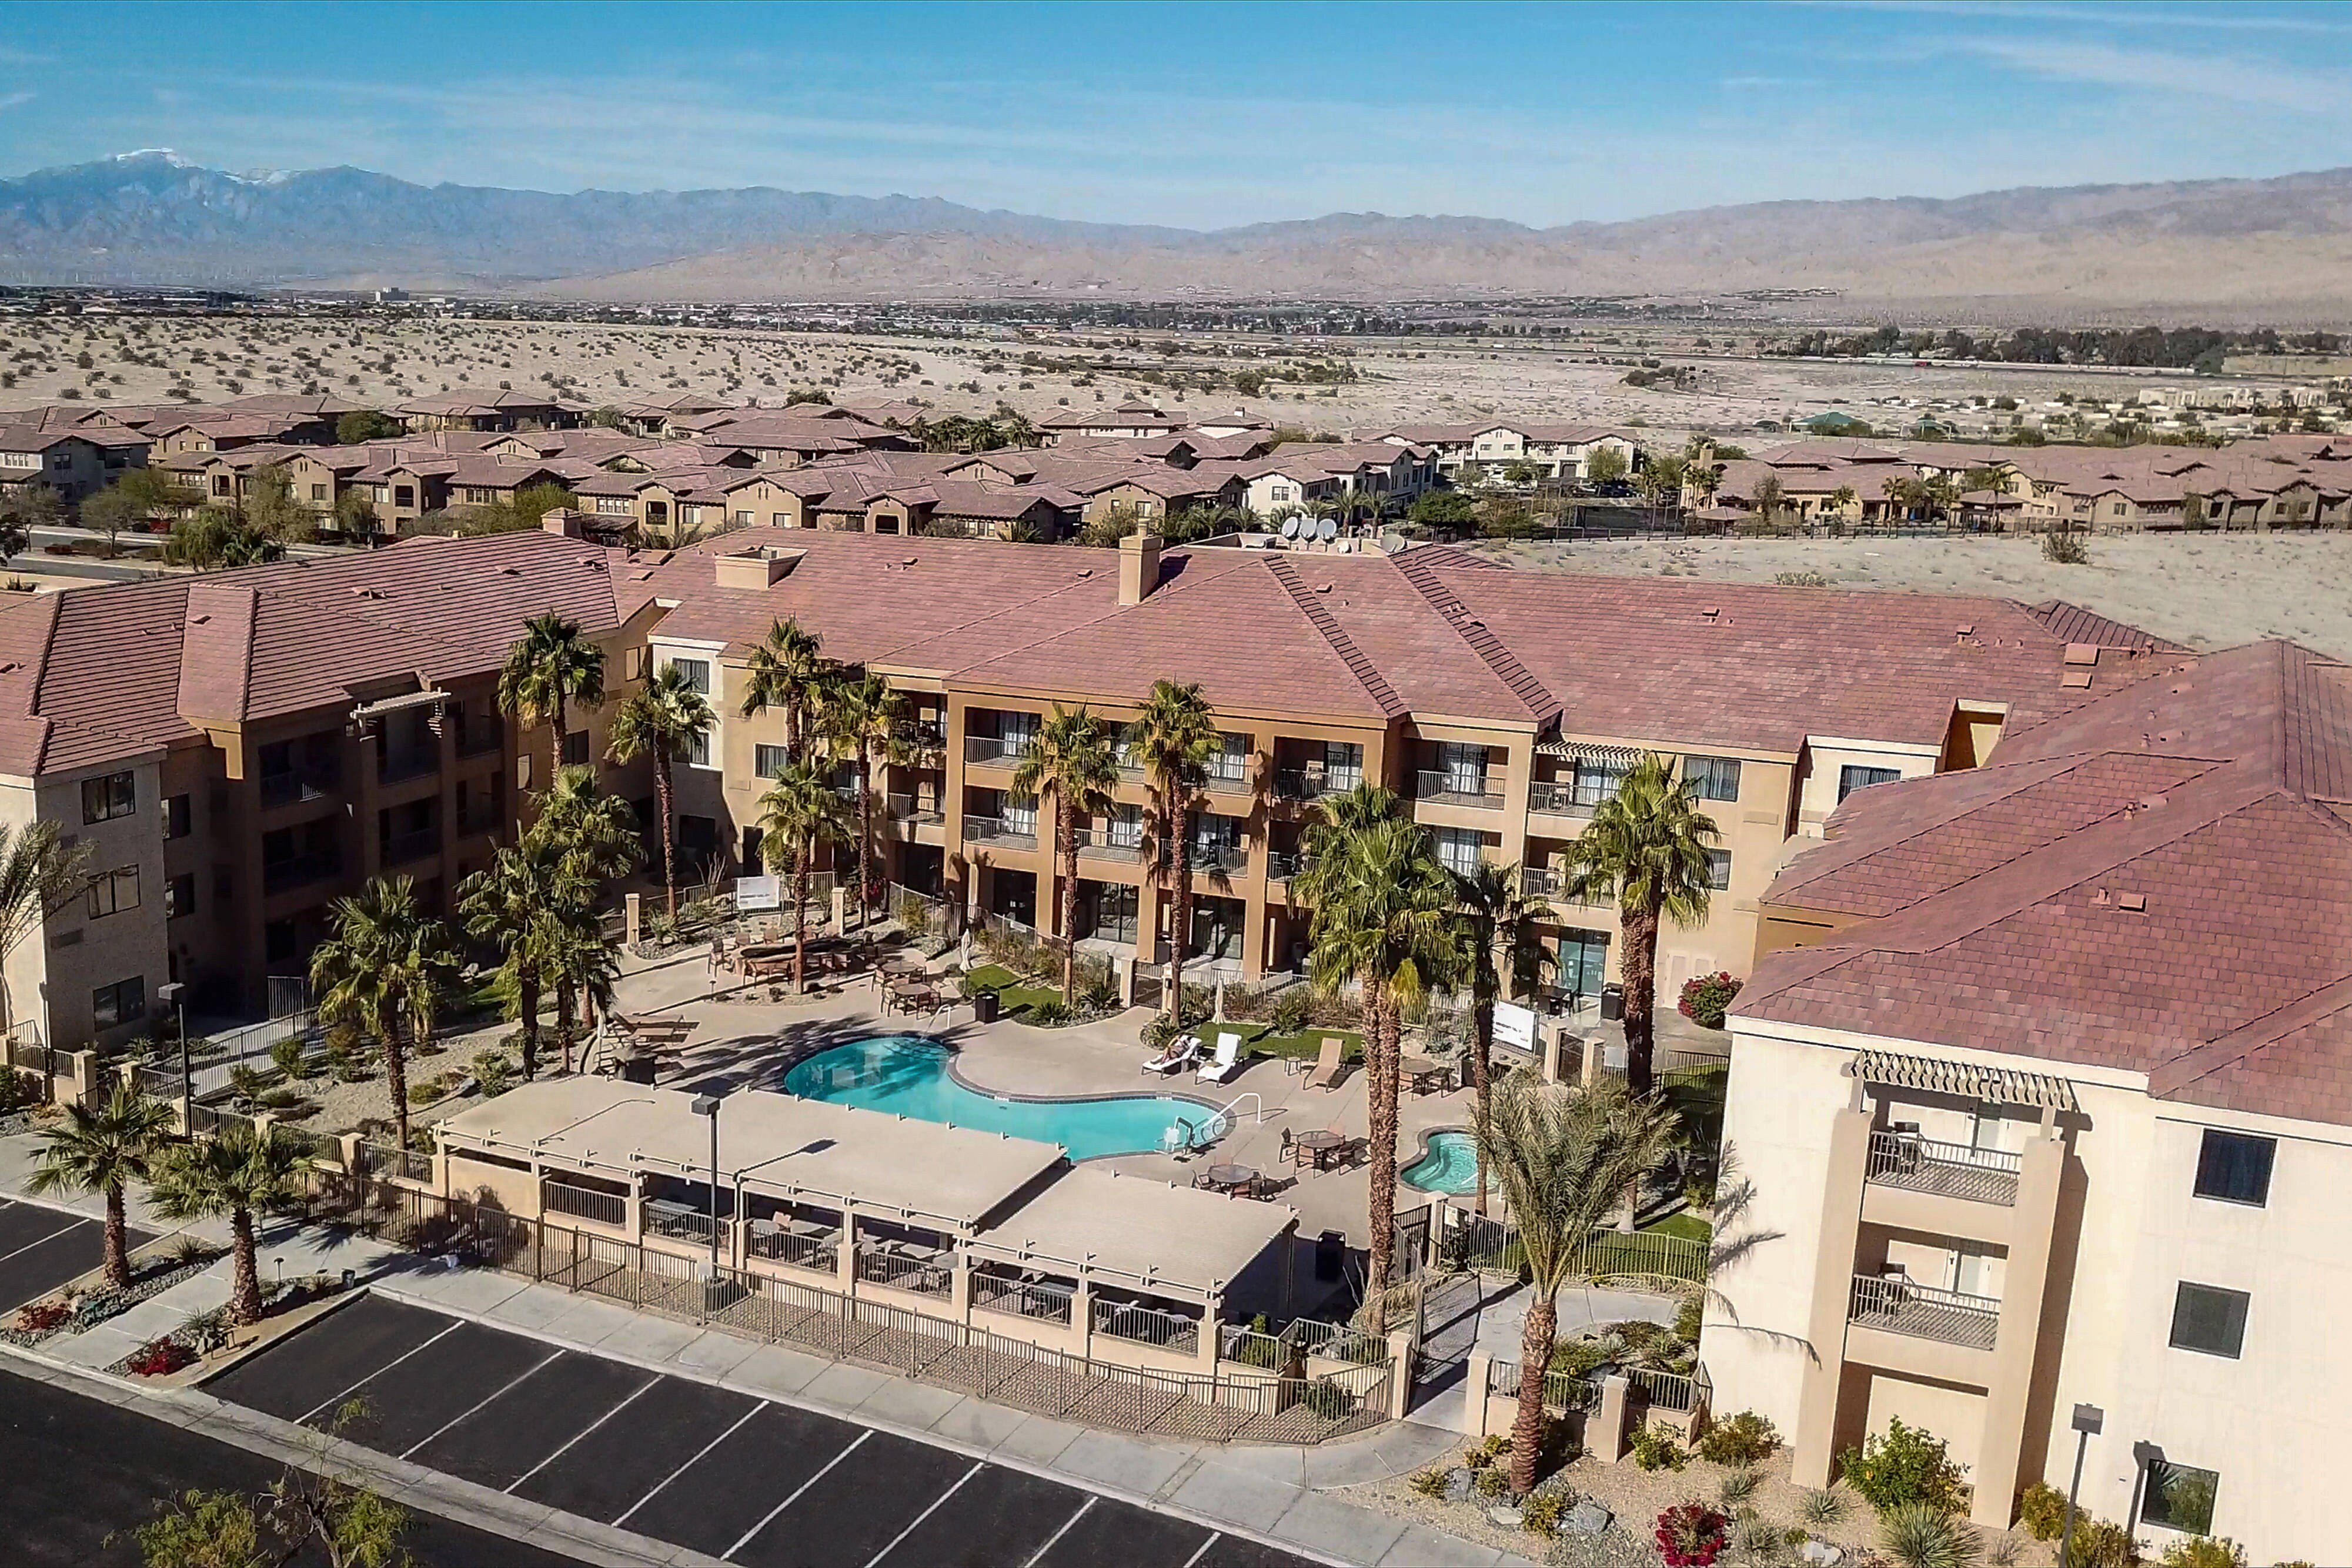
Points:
[[1921, 1535], [1821, 1506]]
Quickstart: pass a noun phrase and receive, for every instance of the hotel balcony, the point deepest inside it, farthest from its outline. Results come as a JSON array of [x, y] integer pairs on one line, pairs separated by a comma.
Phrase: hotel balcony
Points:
[[992, 751], [1095, 844], [1312, 783], [1437, 785], [994, 831], [1923, 1312], [1908, 1161]]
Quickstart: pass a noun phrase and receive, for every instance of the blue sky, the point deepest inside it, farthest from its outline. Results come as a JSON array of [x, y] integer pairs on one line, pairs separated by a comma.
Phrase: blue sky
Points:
[[1203, 115]]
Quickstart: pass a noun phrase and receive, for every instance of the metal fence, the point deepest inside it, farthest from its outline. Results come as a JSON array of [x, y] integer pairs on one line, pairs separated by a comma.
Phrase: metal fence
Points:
[[1147, 1325], [1952, 1170], [1336, 1342], [1493, 1244], [1039, 1299], [391, 1160], [1671, 1390], [1215, 1406], [1563, 1391], [583, 1203]]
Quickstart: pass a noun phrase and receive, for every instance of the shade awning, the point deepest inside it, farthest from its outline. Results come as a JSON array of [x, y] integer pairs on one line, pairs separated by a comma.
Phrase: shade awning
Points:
[[1992, 1085]]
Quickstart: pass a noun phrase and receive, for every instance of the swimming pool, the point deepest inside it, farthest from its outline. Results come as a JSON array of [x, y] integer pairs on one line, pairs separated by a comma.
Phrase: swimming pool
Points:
[[908, 1074], [1449, 1166]]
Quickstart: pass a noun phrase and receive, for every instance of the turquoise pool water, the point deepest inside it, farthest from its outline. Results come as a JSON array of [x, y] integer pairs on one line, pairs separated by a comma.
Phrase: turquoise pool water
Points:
[[908, 1075], [1451, 1165]]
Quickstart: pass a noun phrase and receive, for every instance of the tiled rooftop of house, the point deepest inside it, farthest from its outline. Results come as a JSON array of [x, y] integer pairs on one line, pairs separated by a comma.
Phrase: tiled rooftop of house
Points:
[[2159, 882]]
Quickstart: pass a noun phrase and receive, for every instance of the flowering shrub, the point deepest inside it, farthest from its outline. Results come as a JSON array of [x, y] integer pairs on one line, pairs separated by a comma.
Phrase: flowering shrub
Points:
[[159, 1356], [1690, 1535], [42, 1316], [1706, 997]]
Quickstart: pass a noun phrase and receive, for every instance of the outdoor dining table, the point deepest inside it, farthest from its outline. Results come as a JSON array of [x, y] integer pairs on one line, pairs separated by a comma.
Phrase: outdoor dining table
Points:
[[1231, 1178], [1424, 1073], [1319, 1147]]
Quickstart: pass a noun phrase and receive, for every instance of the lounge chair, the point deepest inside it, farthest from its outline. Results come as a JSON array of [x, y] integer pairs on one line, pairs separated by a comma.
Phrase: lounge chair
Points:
[[1181, 1053], [1329, 1068], [1228, 1060]]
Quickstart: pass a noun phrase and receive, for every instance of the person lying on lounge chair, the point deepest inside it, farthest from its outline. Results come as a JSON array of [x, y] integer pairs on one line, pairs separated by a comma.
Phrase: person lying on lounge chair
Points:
[[1181, 1053]]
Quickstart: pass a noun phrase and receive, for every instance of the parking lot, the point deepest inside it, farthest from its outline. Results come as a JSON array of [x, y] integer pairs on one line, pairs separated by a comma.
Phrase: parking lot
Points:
[[41, 1249], [722, 1472]]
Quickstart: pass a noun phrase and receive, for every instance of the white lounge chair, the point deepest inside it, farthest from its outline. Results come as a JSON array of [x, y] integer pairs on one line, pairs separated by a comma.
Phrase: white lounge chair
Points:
[[1182, 1052], [1228, 1060]]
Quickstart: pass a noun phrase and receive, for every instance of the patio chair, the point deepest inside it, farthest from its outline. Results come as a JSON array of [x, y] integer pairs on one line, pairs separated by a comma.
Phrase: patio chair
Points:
[[1228, 1060], [1181, 1053], [1329, 1068]]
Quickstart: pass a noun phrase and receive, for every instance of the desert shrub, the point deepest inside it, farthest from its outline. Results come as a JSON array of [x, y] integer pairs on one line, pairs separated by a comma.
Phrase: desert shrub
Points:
[[1430, 1482], [2099, 1543], [1801, 579], [1690, 1535], [2001, 1551], [40, 1317], [2204, 1552], [1821, 1506], [1747, 1438], [1758, 1538], [2042, 1511], [1494, 1481], [291, 1057], [2064, 548], [1293, 1011], [1706, 997], [1160, 1031], [1921, 1535], [1689, 1317], [15, 1091], [1737, 1486], [1655, 1448], [1577, 1356], [1050, 1013], [1541, 1514], [1903, 1465], [493, 1072]]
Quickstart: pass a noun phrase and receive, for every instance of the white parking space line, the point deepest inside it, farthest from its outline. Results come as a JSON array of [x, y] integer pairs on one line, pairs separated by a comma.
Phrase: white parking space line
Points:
[[1039, 1556], [454, 1419], [977, 1467], [691, 1463], [337, 1399], [70, 1223], [583, 1431], [855, 1444], [1214, 1537]]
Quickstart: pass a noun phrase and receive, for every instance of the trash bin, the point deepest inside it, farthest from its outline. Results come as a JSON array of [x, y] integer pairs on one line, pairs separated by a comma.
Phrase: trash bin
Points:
[[984, 1007], [1612, 1003], [1330, 1255]]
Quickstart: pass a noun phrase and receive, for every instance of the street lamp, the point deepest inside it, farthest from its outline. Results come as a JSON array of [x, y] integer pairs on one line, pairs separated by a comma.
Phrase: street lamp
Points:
[[174, 995], [708, 1105], [2088, 1419]]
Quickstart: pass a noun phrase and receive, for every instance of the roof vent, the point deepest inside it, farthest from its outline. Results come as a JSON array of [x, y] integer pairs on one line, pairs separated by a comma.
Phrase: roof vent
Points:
[[2082, 652], [2136, 902], [1969, 629], [2078, 679], [759, 566]]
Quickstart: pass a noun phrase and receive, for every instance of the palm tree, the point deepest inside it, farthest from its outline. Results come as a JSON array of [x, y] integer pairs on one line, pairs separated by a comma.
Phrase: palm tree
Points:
[[1646, 848], [864, 716], [664, 718], [1562, 1159], [551, 666], [104, 1149], [39, 872], [1383, 911], [242, 1171], [1499, 920], [592, 839], [381, 972], [1072, 760], [508, 904], [784, 672], [574, 953], [1171, 740], [799, 812]]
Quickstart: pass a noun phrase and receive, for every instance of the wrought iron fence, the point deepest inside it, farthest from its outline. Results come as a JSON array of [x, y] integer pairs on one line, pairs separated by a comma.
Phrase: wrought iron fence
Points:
[[1245, 1404], [1336, 1342], [1672, 1391], [821, 1254], [1040, 1299], [391, 1160], [1923, 1312], [1493, 1244], [583, 1203], [924, 1276], [1563, 1391], [1953, 1170], [1146, 1325]]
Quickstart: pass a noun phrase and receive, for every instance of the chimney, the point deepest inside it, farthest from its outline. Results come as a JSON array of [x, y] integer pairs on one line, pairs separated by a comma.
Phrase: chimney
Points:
[[759, 566], [563, 520], [1138, 567]]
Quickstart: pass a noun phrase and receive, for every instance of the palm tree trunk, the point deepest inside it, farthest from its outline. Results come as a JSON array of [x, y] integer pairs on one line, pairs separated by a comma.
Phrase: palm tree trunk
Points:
[[865, 837], [1180, 914], [245, 1297], [1536, 1337], [527, 1004], [1481, 1073], [1381, 1056], [1065, 844], [1641, 982], [564, 1034], [669, 855], [555, 747], [117, 1254], [800, 915], [395, 1080]]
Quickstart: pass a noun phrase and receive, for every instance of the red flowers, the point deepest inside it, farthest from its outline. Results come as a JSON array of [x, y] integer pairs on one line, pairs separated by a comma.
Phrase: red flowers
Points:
[[1690, 1535], [158, 1357], [42, 1316]]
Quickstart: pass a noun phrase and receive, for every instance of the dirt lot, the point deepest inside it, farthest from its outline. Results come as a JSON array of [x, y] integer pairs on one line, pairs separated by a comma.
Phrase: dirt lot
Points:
[[2206, 591]]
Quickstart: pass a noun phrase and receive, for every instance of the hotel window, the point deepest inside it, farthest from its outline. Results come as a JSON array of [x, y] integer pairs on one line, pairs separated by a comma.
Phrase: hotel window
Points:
[[697, 671], [2179, 1497], [742, 520], [1716, 778], [2210, 1320], [180, 895], [104, 800], [1229, 763], [1457, 849], [1852, 777], [318, 491], [1719, 869], [575, 750], [1597, 780], [112, 892], [2234, 1167], [768, 761], [697, 750], [178, 819], [125, 1001]]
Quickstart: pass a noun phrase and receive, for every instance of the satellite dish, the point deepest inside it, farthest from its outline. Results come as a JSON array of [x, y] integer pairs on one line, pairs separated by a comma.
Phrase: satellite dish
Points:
[[1290, 528], [1328, 529]]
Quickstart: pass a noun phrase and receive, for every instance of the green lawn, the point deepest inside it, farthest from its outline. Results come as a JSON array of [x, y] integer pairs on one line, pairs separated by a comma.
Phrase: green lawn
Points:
[[1260, 1040], [1013, 995], [1689, 1226]]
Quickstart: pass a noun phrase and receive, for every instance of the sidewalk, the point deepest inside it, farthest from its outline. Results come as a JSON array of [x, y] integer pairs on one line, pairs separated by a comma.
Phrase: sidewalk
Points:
[[1295, 1496]]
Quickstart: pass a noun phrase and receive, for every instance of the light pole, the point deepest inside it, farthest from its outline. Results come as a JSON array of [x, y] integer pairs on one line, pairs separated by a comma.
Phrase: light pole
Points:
[[174, 995], [708, 1105], [2088, 1419]]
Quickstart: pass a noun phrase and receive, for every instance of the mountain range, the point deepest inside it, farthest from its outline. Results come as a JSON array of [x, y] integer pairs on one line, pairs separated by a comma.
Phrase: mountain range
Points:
[[2273, 246]]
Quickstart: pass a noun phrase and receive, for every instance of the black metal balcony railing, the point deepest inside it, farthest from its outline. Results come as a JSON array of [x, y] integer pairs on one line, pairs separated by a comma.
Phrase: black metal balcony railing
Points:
[[286, 788], [299, 871], [1456, 788], [1312, 784], [914, 809], [402, 848], [1565, 798], [1102, 846], [1952, 1170], [1219, 856], [994, 831], [993, 750], [1227, 772], [1923, 1312], [1281, 865], [1540, 882], [394, 768], [582, 1203], [923, 735]]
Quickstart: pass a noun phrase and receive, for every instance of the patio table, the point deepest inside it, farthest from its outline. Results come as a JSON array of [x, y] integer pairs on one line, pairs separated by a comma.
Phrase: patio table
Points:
[[1319, 1147], [1424, 1074], [1231, 1178]]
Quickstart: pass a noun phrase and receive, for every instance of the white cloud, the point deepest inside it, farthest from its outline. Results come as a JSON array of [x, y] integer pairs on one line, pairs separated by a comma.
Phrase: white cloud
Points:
[[2265, 83]]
